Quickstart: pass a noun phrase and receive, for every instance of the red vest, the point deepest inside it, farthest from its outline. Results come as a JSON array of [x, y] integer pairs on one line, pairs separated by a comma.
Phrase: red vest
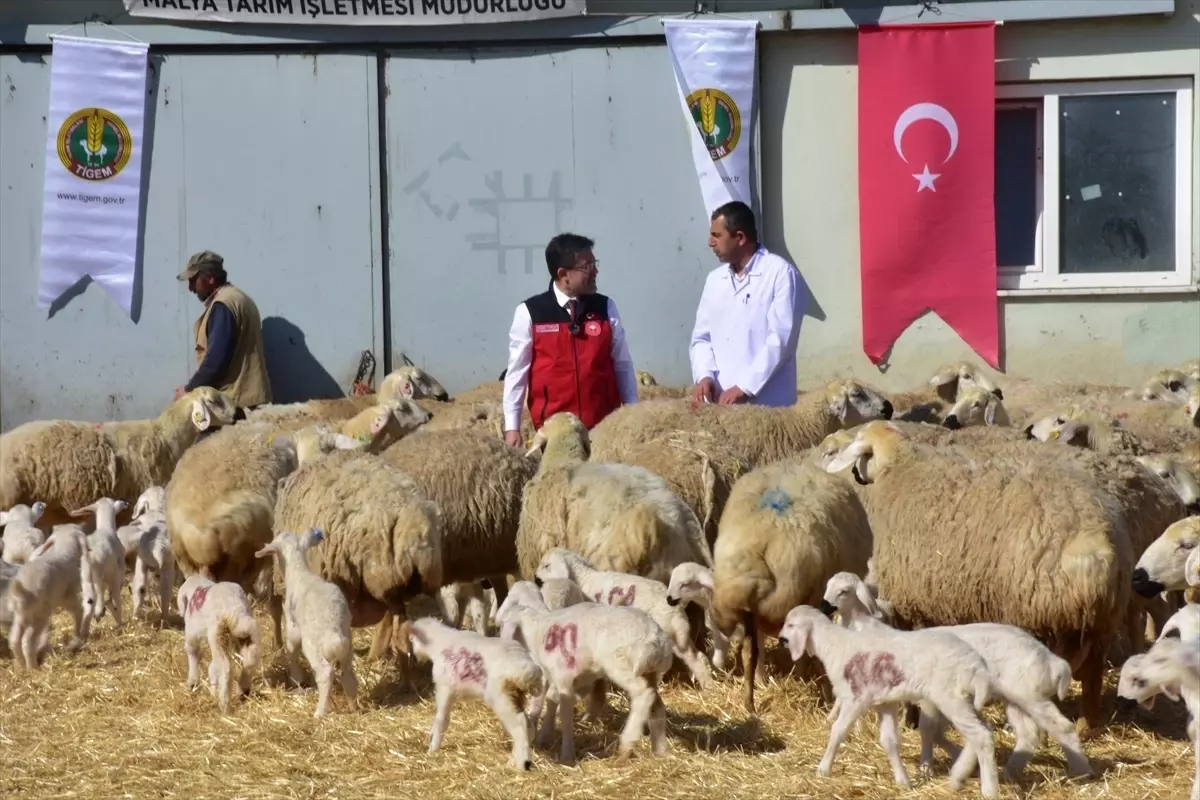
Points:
[[571, 371]]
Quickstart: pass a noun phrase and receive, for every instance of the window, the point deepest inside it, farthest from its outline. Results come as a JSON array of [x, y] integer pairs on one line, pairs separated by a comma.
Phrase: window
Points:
[[1093, 185]]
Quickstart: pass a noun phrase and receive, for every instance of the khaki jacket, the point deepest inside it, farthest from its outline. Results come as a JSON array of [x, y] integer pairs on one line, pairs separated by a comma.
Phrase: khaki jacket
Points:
[[246, 380]]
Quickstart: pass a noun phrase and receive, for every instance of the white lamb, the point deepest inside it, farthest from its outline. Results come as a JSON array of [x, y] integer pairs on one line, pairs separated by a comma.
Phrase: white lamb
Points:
[[107, 555], [220, 614], [584, 643], [154, 556], [693, 583], [317, 619], [623, 589], [7, 573], [1024, 675], [499, 672], [882, 669], [21, 538], [150, 510], [57, 576]]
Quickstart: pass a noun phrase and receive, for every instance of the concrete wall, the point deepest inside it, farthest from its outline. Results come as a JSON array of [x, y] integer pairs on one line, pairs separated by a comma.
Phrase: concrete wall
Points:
[[810, 202]]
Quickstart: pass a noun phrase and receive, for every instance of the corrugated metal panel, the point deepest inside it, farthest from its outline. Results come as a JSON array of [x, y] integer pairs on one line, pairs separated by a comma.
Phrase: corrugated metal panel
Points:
[[493, 152], [265, 159]]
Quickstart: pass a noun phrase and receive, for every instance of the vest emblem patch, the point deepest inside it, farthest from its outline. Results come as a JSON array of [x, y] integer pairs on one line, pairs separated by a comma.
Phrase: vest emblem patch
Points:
[[548, 327], [591, 328]]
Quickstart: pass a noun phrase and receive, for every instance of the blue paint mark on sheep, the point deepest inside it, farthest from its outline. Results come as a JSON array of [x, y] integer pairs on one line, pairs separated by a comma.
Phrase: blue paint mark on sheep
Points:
[[777, 500]]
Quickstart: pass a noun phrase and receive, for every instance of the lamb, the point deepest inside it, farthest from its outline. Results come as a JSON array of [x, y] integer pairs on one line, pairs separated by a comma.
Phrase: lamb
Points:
[[58, 576], [154, 555], [1161, 567], [622, 589], [499, 672], [107, 555], [68, 464], [318, 618], [21, 537], [562, 592], [762, 434], [7, 573], [584, 643], [882, 669], [150, 511], [405, 383], [787, 528], [693, 583], [385, 537], [1074, 594], [619, 517], [220, 614], [456, 600], [1024, 675]]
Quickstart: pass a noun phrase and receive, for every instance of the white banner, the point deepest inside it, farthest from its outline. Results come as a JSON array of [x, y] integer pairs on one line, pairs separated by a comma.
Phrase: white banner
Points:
[[93, 167], [714, 63], [356, 12]]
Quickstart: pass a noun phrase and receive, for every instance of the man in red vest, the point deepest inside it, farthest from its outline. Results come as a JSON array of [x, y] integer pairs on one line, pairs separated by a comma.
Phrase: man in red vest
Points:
[[566, 347]]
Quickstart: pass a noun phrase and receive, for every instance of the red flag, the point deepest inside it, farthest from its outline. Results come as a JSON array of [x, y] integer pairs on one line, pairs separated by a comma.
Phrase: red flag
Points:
[[926, 170]]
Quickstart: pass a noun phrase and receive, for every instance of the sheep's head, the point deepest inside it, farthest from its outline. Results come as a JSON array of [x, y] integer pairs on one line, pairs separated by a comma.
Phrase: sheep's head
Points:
[[416, 637], [1191, 409], [977, 406], [554, 564], [691, 582], [845, 589], [563, 437], [23, 513], [209, 408], [105, 510], [410, 382], [1191, 568], [1065, 426], [1191, 369], [831, 445], [395, 420], [1166, 384], [290, 546], [874, 447], [1174, 473], [522, 595], [853, 403], [1161, 567], [1183, 624], [1164, 663], [952, 379], [644, 378], [1133, 689], [796, 633]]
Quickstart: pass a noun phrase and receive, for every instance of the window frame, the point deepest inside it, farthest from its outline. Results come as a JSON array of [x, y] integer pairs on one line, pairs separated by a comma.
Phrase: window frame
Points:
[[1043, 276]]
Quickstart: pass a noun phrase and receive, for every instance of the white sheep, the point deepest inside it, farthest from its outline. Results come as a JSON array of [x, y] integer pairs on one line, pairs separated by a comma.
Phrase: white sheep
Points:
[[1024, 674], [623, 589], [150, 510], [317, 618], [1191, 568], [57, 576], [21, 537], [693, 583], [154, 556], [7, 573], [562, 592], [584, 643], [107, 555], [1162, 564], [220, 614], [499, 672], [882, 669]]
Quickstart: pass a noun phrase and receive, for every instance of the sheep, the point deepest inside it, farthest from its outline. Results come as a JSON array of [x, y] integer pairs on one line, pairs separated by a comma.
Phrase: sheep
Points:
[[975, 406], [928, 403], [58, 576], [385, 538], [456, 600], [562, 592], [318, 618], [21, 537], [584, 643], [1191, 569], [1183, 624], [1133, 427], [649, 388], [762, 434], [7, 573], [1180, 479], [499, 672], [1024, 675], [107, 555], [882, 669], [154, 555], [69, 464], [619, 517], [1059, 564], [622, 589], [787, 528], [693, 583], [150, 511], [220, 614], [405, 383], [1161, 566]]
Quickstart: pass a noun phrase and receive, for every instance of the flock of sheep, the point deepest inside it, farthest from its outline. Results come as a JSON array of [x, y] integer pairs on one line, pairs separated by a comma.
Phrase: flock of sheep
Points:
[[936, 550]]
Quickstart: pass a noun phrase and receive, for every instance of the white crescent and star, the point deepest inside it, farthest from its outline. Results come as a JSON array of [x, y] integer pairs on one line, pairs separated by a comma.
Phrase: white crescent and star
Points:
[[915, 113]]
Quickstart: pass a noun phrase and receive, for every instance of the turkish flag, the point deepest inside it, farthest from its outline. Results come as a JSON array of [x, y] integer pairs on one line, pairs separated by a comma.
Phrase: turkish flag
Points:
[[926, 170]]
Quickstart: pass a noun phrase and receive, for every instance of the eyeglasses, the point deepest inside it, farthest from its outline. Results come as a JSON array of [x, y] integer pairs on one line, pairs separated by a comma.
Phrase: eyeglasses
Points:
[[593, 265]]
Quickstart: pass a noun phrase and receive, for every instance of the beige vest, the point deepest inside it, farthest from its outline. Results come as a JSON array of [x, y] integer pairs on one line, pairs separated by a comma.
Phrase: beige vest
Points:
[[246, 380]]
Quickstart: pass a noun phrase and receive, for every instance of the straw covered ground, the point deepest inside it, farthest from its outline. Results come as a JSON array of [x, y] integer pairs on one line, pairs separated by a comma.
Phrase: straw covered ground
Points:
[[115, 720]]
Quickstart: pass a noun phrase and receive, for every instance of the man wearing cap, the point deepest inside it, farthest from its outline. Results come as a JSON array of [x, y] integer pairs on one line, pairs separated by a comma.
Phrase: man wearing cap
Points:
[[228, 335]]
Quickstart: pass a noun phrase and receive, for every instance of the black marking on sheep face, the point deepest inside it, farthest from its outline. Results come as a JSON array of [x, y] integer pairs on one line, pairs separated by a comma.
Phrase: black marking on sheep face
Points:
[[537, 581], [1125, 705], [827, 608], [858, 476], [1194, 509], [999, 394], [1029, 432], [888, 409], [783, 642], [672, 601], [1144, 586], [528, 765], [952, 422]]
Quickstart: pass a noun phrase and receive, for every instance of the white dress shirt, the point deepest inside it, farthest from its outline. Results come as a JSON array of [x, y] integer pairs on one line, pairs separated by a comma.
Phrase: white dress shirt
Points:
[[747, 327], [520, 358]]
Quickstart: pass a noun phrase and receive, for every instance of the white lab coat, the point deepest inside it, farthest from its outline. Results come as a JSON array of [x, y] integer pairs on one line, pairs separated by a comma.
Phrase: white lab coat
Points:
[[746, 329]]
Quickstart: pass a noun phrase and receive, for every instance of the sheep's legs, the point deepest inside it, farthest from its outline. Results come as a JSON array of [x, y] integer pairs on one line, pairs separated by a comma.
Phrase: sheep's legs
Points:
[[324, 674], [20, 630], [750, 663], [1092, 680], [932, 725], [220, 666], [350, 681], [114, 597], [696, 663], [889, 740], [549, 713], [837, 735], [566, 719], [291, 647], [1028, 739], [166, 579], [1047, 717], [192, 648], [441, 718], [979, 746], [597, 698], [641, 702], [513, 720]]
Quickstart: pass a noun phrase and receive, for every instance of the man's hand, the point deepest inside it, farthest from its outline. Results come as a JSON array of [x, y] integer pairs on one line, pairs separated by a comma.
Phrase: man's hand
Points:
[[706, 389], [512, 438], [731, 396], [180, 392]]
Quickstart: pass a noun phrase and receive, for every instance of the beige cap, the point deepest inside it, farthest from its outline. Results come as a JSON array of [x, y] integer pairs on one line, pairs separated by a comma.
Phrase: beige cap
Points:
[[206, 259]]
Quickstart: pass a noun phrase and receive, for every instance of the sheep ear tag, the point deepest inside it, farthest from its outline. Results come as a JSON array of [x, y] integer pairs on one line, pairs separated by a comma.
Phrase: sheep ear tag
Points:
[[1054, 434], [200, 417]]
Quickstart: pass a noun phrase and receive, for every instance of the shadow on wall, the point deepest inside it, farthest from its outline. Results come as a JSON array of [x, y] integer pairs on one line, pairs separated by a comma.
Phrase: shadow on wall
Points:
[[294, 371], [151, 111]]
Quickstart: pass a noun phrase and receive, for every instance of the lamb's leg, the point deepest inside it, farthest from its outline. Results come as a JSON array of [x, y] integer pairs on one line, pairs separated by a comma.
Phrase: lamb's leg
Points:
[[292, 648], [137, 587], [1047, 717], [249, 657], [658, 726], [275, 608], [221, 666], [166, 579], [441, 717], [696, 663], [83, 625], [837, 734], [641, 701], [115, 582], [566, 718], [513, 720], [350, 680], [720, 644], [16, 644], [978, 738], [889, 740], [1092, 679], [1028, 739], [750, 666], [324, 675], [597, 698], [192, 648], [549, 712]]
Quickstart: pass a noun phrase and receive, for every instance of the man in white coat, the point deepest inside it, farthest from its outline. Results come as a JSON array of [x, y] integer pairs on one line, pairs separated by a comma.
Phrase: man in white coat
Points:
[[743, 346]]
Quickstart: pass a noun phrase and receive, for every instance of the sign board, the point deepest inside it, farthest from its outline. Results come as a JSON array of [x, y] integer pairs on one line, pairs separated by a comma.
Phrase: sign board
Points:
[[356, 12]]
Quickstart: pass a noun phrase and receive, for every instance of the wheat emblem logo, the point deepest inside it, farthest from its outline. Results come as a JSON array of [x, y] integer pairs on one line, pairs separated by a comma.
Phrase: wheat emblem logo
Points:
[[94, 144], [718, 120]]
